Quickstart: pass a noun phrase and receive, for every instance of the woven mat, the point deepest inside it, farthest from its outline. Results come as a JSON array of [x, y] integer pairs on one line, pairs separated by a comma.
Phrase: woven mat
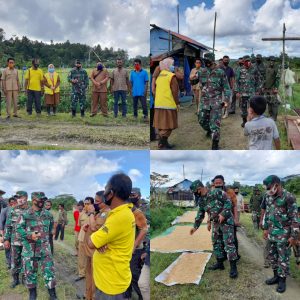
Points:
[[187, 268], [178, 239], [188, 217]]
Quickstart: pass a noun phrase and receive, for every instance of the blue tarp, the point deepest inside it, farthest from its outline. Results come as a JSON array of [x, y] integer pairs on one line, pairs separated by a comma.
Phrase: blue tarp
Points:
[[187, 71]]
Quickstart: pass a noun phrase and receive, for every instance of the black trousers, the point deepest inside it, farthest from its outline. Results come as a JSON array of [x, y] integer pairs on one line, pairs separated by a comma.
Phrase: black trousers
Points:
[[34, 96], [236, 242], [51, 242], [60, 229], [152, 129], [136, 265]]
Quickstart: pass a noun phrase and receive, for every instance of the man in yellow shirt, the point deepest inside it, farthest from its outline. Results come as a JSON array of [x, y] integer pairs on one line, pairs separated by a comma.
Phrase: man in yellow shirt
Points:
[[114, 242], [34, 79]]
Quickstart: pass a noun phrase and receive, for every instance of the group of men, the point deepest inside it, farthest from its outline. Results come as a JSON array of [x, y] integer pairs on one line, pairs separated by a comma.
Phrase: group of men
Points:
[[111, 226], [217, 86], [37, 83], [277, 215]]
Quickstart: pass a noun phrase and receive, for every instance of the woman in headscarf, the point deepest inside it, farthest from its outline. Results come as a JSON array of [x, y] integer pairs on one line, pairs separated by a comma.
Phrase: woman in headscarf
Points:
[[166, 102], [52, 90]]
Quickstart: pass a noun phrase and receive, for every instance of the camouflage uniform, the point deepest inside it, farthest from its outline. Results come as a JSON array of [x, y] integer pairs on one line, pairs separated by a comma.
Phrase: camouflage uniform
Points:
[[216, 202], [271, 83], [248, 83], [79, 88], [37, 252], [282, 223], [255, 206], [213, 82]]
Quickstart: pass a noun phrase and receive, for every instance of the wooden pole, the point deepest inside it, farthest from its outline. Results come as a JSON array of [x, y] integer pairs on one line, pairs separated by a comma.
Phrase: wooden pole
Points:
[[178, 18], [282, 68], [214, 39]]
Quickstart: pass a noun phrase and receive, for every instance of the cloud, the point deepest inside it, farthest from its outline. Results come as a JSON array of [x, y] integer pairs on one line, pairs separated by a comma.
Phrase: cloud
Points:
[[111, 23], [240, 25], [135, 174], [248, 167]]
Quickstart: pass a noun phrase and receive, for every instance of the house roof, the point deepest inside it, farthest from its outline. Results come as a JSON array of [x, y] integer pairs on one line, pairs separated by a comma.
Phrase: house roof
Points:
[[183, 38], [183, 185]]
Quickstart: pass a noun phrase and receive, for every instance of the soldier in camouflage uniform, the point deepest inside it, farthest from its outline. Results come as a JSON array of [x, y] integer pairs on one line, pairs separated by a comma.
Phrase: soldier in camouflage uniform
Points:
[[247, 85], [296, 248], [34, 227], [219, 208], [12, 238], [80, 81], [261, 68], [255, 206], [213, 83], [281, 227], [271, 88]]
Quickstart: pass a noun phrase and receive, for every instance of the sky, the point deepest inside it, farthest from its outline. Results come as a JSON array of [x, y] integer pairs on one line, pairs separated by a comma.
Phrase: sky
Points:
[[247, 167], [115, 23], [81, 173], [240, 24]]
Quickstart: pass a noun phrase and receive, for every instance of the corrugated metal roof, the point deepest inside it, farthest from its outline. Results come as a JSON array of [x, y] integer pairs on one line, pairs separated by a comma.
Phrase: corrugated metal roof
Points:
[[184, 38], [181, 186]]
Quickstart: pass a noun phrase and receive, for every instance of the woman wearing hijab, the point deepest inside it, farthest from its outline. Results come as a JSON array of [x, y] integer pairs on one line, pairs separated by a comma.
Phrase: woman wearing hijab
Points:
[[166, 103], [52, 89]]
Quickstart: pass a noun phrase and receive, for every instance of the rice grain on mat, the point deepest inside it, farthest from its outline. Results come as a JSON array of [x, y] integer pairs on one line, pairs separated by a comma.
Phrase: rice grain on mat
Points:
[[189, 217]]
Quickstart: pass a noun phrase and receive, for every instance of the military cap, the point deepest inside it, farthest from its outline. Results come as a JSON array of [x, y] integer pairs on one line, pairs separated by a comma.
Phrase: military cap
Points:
[[256, 188], [37, 195], [2, 192], [272, 58], [77, 61], [21, 194], [258, 56], [195, 185], [136, 191], [209, 56], [247, 57], [271, 180]]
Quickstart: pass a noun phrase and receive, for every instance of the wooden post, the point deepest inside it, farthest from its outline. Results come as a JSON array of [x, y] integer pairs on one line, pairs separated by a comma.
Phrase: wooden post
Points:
[[214, 39]]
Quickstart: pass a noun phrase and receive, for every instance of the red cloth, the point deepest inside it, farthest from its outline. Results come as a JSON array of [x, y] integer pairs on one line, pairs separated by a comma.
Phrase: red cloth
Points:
[[76, 218]]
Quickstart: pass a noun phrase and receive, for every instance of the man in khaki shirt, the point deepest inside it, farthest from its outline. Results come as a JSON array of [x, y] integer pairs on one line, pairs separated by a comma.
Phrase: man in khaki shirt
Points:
[[119, 86], [195, 82], [11, 87], [99, 77]]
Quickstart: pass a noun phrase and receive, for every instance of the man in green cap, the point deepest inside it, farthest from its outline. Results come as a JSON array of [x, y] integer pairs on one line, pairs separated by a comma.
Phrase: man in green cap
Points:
[[219, 208], [11, 238], [34, 227], [213, 83], [255, 206], [271, 88], [80, 81], [281, 227], [248, 84]]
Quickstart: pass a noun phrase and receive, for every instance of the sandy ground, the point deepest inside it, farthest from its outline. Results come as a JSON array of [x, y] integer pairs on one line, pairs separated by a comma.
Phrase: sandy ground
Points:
[[189, 134]]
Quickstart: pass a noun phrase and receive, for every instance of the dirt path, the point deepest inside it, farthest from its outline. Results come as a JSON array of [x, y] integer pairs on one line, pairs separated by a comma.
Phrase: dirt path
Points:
[[189, 134], [254, 253], [71, 135]]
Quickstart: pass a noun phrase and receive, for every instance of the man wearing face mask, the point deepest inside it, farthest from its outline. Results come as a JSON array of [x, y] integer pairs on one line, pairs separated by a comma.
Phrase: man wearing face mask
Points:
[[12, 239], [213, 87], [52, 91], [230, 77], [219, 208], [248, 83], [34, 227], [281, 227], [99, 77], [271, 88], [34, 85], [79, 79], [114, 240], [136, 263]]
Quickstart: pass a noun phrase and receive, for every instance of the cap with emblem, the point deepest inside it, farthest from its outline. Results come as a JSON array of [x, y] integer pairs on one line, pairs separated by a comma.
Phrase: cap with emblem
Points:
[[270, 180], [258, 56], [209, 56], [247, 58], [195, 185], [38, 195], [21, 194]]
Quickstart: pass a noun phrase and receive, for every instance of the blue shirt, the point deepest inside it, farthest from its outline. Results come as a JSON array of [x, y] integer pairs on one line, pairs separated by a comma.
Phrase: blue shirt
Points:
[[138, 81]]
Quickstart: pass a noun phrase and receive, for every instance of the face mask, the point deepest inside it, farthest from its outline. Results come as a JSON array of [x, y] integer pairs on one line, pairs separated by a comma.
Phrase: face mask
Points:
[[241, 64], [106, 200], [99, 67], [272, 191], [172, 69], [137, 67], [96, 206], [78, 67], [51, 70], [236, 193], [208, 63], [226, 63], [40, 203], [36, 65], [258, 61], [247, 64], [134, 200]]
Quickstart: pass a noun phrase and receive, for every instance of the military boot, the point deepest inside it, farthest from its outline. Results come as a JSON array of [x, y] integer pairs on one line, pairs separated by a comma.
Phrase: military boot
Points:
[[16, 281], [208, 134], [244, 122], [82, 113], [32, 294], [73, 113], [215, 145], [233, 269], [168, 146], [218, 265], [52, 294], [274, 279], [54, 110], [281, 285]]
